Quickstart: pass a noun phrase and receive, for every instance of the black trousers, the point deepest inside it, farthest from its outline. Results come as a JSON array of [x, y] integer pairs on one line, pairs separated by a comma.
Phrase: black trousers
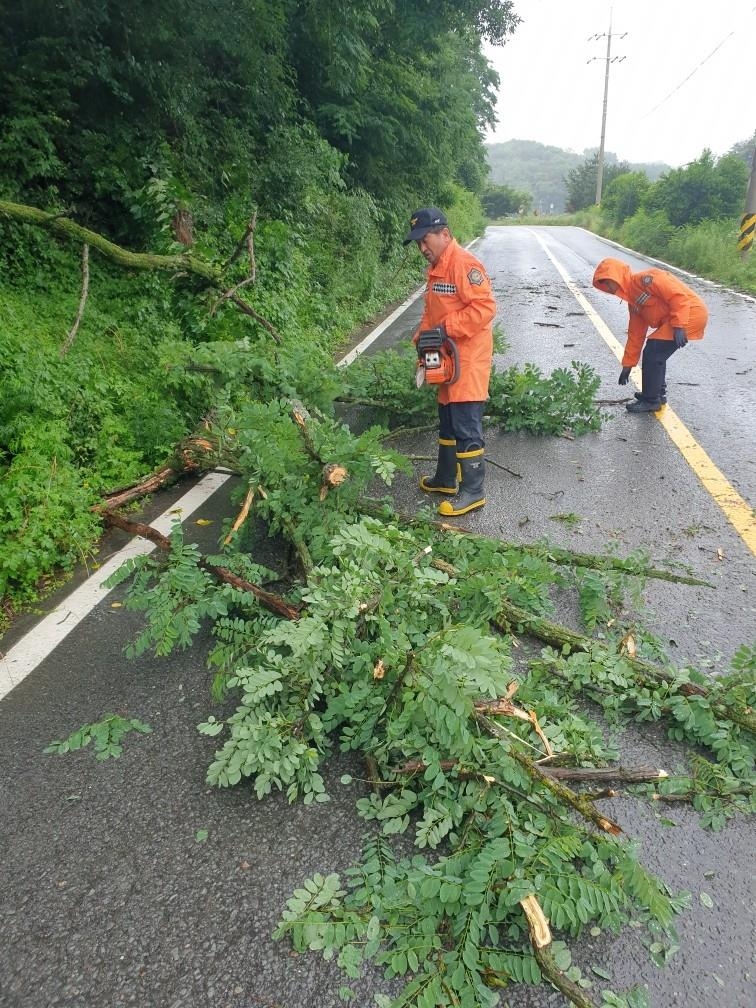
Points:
[[656, 353], [462, 422]]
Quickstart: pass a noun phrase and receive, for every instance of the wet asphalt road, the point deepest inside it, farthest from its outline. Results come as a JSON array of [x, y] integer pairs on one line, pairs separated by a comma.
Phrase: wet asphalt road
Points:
[[109, 897]]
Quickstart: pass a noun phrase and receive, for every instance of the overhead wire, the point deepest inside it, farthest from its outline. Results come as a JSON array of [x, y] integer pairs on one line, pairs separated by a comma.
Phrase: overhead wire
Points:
[[693, 72]]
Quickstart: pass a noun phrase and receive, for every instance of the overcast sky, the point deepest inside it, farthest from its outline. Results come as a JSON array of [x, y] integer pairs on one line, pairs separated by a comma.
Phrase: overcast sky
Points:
[[687, 80]]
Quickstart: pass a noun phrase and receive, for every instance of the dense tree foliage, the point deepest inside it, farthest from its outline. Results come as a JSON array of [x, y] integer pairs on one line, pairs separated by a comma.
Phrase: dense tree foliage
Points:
[[502, 201], [706, 189], [116, 110], [316, 126], [744, 150], [581, 181], [624, 196]]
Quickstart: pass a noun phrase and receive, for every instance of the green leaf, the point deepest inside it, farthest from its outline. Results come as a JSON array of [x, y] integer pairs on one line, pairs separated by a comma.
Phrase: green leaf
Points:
[[562, 955], [601, 972]]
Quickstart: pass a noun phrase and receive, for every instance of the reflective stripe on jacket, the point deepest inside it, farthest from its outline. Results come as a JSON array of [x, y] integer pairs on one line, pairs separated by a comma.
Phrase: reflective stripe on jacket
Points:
[[459, 296], [657, 300]]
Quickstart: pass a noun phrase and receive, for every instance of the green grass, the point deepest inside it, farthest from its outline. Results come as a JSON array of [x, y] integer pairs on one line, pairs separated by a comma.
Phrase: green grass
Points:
[[708, 249]]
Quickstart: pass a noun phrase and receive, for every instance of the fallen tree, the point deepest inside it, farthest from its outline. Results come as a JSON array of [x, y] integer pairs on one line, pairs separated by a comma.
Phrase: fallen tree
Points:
[[402, 651], [182, 264], [396, 643]]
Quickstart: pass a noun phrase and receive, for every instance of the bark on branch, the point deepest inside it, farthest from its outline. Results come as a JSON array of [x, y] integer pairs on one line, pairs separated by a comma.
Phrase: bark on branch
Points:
[[618, 774], [574, 994], [82, 300], [273, 603], [185, 262], [200, 452]]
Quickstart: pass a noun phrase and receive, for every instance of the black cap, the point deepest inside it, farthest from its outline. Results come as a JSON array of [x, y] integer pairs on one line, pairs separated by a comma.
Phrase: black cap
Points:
[[424, 220]]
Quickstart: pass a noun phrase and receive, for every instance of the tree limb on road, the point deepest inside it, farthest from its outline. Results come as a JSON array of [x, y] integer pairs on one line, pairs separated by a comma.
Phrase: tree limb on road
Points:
[[274, 603]]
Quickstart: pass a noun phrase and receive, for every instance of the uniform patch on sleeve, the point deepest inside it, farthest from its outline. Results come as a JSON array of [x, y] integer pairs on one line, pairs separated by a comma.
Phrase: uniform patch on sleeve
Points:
[[647, 280], [475, 277]]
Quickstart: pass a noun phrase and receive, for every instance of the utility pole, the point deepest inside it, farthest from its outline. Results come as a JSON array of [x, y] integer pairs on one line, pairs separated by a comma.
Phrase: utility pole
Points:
[[608, 60], [748, 223]]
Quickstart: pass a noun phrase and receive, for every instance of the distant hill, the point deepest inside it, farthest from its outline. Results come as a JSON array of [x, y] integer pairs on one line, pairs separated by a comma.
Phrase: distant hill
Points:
[[541, 170]]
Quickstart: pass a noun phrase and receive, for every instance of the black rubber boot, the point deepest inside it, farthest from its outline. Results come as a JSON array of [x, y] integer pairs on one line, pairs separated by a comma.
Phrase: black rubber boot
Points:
[[470, 494], [445, 479], [662, 397], [644, 406]]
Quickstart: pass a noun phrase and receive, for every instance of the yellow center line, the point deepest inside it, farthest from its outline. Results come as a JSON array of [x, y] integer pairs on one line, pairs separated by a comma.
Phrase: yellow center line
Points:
[[735, 508]]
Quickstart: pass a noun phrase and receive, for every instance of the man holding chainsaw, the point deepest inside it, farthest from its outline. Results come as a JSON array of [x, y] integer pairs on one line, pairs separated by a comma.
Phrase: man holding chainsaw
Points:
[[455, 351]]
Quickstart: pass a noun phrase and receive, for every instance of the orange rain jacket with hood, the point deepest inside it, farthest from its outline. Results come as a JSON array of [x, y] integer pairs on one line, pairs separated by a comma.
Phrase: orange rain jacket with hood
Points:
[[459, 297], [657, 300]]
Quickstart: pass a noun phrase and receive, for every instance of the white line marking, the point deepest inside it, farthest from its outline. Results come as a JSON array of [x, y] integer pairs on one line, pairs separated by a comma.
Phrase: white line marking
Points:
[[382, 327], [24, 656], [671, 267]]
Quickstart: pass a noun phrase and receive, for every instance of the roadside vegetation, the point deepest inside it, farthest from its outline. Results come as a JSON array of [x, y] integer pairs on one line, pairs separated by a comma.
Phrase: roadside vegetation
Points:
[[689, 217], [193, 223]]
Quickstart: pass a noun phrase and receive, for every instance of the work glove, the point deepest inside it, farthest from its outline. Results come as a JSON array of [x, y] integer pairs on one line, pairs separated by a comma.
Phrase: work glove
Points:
[[624, 375], [680, 337]]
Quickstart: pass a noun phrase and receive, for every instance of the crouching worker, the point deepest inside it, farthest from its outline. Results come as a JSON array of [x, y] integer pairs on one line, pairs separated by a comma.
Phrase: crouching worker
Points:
[[660, 301], [459, 304]]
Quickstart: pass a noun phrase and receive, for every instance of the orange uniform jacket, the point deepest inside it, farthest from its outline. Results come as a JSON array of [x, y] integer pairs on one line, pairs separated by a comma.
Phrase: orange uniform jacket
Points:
[[657, 300], [459, 297]]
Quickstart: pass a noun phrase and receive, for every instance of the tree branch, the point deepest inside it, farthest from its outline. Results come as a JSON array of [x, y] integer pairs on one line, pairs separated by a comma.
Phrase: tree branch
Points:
[[133, 260], [185, 262], [82, 300], [553, 554], [580, 803], [274, 603]]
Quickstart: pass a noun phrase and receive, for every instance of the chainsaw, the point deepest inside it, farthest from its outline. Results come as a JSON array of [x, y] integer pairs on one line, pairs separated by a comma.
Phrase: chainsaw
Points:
[[437, 358]]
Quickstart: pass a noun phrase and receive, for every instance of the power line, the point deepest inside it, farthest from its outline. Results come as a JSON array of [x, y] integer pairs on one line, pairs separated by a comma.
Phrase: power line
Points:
[[693, 72], [608, 60]]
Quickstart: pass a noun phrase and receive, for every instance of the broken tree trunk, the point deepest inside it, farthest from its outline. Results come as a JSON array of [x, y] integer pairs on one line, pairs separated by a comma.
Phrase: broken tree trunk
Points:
[[200, 452]]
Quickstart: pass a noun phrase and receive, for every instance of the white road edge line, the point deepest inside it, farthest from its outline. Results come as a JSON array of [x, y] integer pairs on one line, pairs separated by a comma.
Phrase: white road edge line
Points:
[[17, 663], [671, 267], [373, 335]]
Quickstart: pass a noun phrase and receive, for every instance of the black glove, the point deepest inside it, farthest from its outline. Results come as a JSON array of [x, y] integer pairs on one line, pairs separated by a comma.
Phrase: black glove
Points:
[[624, 375], [680, 337]]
